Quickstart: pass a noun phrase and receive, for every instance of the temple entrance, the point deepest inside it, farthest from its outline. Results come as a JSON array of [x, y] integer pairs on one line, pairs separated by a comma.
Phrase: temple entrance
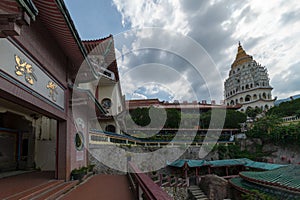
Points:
[[27, 139]]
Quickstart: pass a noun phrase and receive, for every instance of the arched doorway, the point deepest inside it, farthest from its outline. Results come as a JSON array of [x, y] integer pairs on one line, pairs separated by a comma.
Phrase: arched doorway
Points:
[[110, 128]]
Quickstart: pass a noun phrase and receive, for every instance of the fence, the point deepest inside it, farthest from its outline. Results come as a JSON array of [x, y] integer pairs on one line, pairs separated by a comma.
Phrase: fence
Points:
[[143, 186]]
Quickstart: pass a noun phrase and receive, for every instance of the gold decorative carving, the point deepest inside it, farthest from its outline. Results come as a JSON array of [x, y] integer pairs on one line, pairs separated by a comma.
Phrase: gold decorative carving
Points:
[[25, 69], [52, 90]]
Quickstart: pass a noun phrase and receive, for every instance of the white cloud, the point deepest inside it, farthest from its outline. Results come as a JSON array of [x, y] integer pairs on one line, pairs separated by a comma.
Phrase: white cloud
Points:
[[138, 96], [268, 31], [149, 13], [279, 47]]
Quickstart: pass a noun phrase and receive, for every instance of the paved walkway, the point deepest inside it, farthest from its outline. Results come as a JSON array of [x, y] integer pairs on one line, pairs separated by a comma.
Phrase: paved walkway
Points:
[[18, 183], [106, 187]]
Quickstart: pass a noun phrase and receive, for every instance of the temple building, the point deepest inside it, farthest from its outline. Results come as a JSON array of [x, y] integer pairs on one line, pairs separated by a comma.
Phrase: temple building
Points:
[[52, 91], [248, 83], [107, 89]]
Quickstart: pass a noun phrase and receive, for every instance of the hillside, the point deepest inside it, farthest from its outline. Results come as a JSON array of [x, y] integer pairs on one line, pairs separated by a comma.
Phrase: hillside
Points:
[[287, 108], [279, 101]]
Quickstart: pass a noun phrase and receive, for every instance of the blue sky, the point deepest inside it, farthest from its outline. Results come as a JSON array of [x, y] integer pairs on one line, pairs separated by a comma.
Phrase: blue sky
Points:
[[269, 31], [95, 19]]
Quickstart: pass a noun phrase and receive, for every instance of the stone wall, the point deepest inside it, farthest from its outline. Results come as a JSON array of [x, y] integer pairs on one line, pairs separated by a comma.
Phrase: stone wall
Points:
[[215, 187], [117, 156]]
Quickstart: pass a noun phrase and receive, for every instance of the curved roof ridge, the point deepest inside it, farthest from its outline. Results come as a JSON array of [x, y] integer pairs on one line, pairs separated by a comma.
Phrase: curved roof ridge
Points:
[[98, 40]]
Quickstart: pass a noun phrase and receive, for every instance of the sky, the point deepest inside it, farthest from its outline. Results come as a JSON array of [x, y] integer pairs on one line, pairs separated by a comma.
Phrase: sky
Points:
[[182, 50]]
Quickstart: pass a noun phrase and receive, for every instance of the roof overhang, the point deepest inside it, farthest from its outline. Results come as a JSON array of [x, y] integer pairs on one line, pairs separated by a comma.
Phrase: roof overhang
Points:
[[57, 19], [83, 99]]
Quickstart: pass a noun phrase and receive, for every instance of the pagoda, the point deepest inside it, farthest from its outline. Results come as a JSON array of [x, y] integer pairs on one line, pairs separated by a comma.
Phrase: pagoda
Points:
[[248, 83]]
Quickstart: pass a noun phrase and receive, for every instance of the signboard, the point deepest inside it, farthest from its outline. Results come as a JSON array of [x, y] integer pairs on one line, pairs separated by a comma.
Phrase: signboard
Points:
[[28, 73]]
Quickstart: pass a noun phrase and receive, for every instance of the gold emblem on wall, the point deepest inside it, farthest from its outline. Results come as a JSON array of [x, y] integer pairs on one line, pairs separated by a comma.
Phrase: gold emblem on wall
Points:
[[25, 69], [52, 90]]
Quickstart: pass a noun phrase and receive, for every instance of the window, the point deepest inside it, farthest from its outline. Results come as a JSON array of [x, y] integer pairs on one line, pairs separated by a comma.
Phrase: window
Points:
[[266, 107], [248, 98], [106, 103], [79, 141], [110, 128]]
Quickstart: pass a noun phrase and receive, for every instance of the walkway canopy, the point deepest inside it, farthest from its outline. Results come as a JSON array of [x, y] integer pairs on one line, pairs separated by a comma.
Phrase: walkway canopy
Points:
[[223, 163]]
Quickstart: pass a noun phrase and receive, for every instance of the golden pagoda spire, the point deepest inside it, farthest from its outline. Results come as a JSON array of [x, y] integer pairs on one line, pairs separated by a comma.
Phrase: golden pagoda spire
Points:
[[241, 57]]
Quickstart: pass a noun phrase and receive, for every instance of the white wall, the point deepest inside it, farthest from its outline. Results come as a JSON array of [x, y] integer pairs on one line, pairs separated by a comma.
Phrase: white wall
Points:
[[112, 92]]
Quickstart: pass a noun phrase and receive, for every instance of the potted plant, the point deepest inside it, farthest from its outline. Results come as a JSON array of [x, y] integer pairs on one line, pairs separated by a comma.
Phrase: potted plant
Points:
[[77, 174], [84, 169], [91, 168]]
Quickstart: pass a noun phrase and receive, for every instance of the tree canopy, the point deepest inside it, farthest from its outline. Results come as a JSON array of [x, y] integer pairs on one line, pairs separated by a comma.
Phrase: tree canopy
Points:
[[233, 118], [285, 109]]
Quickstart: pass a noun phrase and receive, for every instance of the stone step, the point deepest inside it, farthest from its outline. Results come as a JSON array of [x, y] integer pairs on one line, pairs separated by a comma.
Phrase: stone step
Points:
[[200, 196], [193, 186], [55, 192], [27, 194], [197, 193]]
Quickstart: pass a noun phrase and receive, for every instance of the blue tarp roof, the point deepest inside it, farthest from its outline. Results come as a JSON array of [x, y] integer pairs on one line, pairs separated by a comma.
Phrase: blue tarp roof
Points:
[[229, 162]]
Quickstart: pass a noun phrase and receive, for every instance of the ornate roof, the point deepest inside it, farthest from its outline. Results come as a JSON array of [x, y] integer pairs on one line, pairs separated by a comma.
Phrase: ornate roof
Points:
[[285, 178], [282, 183], [104, 48], [241, 57]]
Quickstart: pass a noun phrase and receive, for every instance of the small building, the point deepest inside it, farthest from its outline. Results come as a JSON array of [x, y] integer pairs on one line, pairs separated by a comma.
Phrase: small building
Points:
[[248, 83]]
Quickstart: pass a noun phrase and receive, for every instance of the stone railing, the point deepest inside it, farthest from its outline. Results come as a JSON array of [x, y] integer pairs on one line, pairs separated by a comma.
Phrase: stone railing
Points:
[[291, 118], [100, 137]]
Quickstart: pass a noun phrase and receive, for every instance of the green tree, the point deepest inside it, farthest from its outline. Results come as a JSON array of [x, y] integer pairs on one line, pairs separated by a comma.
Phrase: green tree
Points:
[[263, 128], [253, 112], [232, 118], [173, 118], [285, 109], [140, 116]]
